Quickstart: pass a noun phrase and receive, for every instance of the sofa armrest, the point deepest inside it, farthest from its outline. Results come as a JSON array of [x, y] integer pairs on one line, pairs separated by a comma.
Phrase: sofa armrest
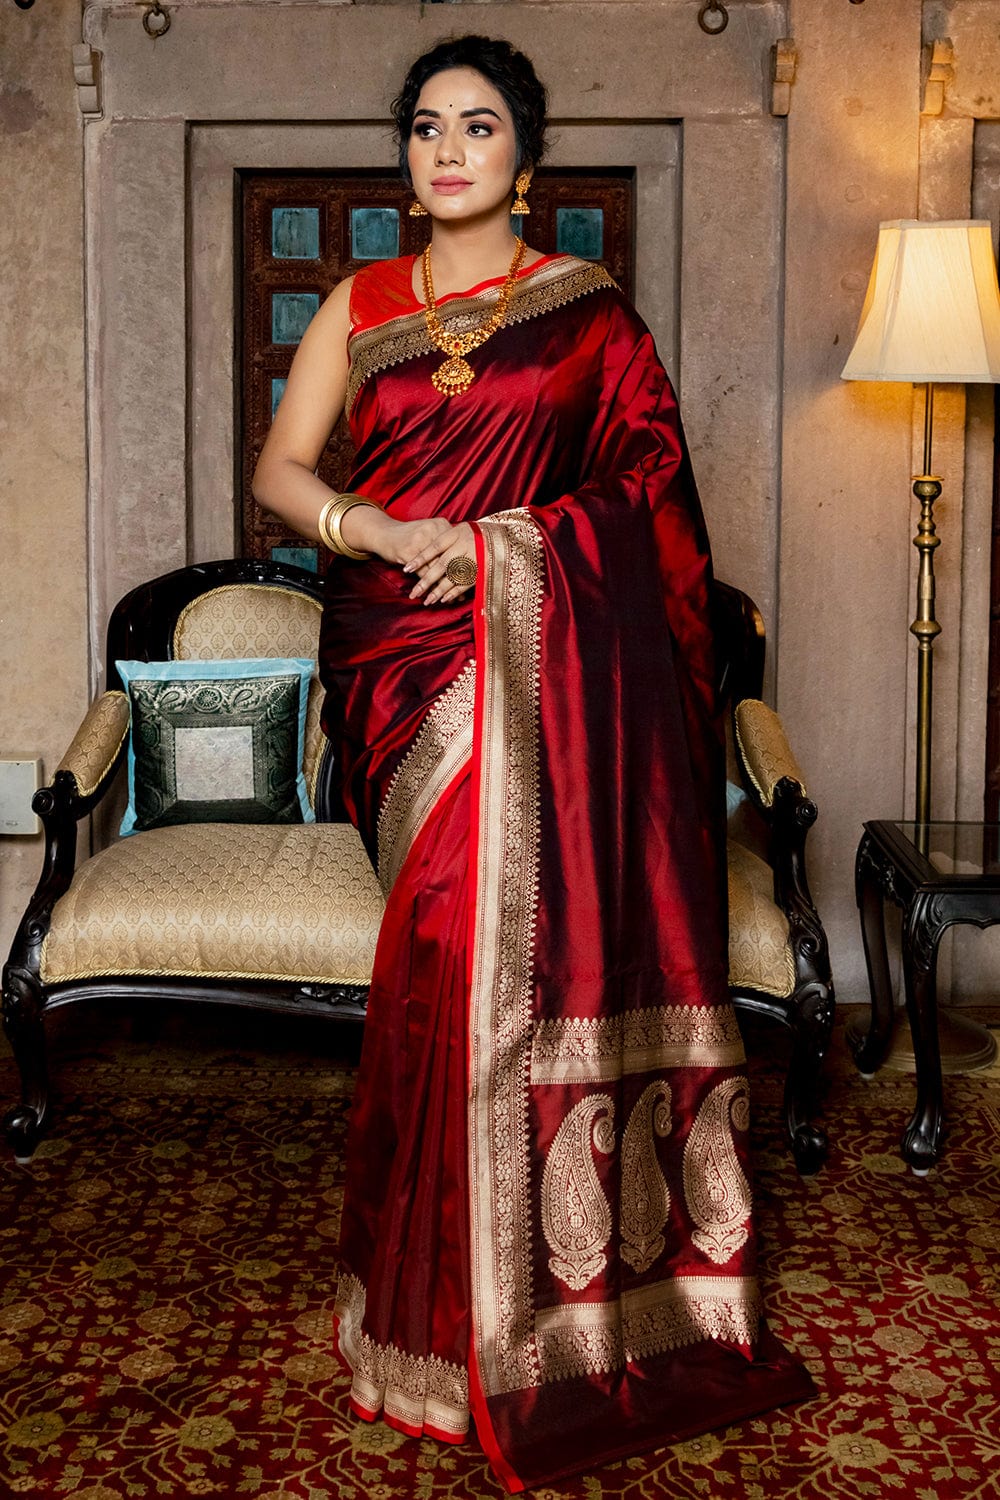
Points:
[[96, 746], [779, 786], [764, 750], [79, 782]]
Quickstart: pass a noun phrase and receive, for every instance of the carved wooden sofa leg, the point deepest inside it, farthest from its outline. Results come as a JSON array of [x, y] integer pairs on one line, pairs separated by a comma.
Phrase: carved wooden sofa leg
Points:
[[811, 1033], [23, 1003]]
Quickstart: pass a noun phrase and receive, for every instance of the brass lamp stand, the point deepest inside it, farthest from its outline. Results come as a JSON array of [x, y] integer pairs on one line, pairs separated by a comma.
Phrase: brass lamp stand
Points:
[[927, 488], [931, 314]]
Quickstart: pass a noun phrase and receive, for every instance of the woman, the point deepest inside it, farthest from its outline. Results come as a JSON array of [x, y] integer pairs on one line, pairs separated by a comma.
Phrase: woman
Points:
[[547, 1212]]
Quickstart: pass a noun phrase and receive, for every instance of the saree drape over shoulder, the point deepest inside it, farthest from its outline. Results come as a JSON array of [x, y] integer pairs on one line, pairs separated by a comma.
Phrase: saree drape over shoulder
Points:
[[547, 1217]]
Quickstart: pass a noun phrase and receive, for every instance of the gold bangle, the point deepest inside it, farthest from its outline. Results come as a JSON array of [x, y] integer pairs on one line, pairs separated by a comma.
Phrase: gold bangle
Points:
[[329, 522], [321, 523], [336, 521]]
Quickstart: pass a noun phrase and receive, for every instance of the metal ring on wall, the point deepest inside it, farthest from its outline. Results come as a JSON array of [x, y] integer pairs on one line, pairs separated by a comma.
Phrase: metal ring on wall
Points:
[[155, 12], [713, 17]]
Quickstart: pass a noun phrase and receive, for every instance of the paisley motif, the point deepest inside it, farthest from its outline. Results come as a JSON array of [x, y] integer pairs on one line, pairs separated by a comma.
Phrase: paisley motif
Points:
[[645, 1201], [576, 1216], [715, 1187]]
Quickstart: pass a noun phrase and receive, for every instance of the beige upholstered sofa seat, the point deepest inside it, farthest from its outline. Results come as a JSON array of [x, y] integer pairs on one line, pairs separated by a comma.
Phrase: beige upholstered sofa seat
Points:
[[177, 901]]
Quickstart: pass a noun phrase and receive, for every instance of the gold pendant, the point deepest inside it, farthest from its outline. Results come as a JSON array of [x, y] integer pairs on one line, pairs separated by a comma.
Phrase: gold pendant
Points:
[[453, 377]]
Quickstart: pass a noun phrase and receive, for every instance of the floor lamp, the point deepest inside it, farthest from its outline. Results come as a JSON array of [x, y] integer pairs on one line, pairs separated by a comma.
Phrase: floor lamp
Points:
[[931, 315]]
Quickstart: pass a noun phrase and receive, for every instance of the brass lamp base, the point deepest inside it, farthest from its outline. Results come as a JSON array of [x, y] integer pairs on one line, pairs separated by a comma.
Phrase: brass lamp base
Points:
[[966, 1046]]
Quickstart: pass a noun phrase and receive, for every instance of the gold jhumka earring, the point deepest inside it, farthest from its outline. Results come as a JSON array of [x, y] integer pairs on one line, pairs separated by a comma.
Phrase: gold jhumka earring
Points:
[[520, 204], [417, 210]]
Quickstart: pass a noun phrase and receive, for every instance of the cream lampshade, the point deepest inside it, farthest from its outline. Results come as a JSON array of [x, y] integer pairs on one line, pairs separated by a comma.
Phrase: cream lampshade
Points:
[[932, 309]]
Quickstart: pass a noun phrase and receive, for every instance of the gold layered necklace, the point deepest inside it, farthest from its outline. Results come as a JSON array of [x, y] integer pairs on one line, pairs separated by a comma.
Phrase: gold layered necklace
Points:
[[456, 374]]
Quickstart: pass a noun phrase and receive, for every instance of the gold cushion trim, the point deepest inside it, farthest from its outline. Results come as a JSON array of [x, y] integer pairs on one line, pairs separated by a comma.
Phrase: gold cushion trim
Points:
[[764, 748], [97, 742], [760, 955], [239, 620], [221, 901]]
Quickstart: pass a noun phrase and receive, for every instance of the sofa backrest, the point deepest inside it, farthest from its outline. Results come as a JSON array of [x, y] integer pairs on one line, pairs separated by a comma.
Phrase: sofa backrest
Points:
[[242, 620]]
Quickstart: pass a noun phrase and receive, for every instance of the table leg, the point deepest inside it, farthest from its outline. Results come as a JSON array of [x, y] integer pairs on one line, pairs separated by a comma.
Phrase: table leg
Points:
[[922, 929], [870, 1050]]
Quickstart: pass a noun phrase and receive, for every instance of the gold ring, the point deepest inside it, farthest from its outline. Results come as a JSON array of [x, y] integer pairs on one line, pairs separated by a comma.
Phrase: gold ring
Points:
[[461, 571]]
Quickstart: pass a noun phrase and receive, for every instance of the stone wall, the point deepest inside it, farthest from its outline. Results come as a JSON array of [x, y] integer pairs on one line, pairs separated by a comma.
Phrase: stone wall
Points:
[[44, 634]]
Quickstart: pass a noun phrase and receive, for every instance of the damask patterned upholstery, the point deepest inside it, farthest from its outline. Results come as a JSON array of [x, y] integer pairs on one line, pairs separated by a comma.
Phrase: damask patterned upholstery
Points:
[[766, 752], [254, 619], [760, 956], [97, 741], [220, 900]]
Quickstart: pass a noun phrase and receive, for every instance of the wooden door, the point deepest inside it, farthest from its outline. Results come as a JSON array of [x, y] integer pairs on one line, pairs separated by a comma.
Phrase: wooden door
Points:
[[304, 232]]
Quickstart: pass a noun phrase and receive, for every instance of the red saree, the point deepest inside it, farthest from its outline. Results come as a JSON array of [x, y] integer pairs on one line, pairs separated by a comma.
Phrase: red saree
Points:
[[547, 1205]]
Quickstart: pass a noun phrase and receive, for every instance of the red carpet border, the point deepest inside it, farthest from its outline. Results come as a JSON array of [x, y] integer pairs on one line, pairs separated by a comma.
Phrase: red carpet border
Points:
[[167, 1272]]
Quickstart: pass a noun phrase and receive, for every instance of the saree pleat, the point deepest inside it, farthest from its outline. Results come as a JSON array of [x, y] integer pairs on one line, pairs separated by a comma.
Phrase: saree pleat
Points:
[[547, 1213]]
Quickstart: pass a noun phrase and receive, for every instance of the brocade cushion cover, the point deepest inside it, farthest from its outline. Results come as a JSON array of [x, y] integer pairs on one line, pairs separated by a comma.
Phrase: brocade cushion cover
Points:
[[257, 619], [221, 900], [216, 742]]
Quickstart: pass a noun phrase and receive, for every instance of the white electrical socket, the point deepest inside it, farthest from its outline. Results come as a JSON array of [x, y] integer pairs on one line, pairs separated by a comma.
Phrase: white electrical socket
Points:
[[20, 778]]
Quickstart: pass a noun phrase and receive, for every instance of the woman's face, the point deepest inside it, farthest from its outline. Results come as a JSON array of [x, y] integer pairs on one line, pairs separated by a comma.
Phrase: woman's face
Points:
[[462, 150]]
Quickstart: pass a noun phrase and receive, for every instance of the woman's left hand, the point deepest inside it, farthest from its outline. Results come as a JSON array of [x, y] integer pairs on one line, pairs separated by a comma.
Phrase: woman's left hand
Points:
[[431, 564]]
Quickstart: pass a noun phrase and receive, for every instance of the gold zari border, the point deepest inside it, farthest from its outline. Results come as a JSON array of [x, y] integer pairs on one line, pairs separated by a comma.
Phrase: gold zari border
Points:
[[413, 1389], [406, 337], [442, 746], [593, 1338], [579, 1050], [506, 879]]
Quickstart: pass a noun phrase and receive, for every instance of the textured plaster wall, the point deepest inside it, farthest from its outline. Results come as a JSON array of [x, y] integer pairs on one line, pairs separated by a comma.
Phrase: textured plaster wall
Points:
[[43, 562], [853, 140], [806, 480]]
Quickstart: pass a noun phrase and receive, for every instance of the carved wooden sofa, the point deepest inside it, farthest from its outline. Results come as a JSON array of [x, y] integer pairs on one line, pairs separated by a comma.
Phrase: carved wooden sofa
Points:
[[284, 917]]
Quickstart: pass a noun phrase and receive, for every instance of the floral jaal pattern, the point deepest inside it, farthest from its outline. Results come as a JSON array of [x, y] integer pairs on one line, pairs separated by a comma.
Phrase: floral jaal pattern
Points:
[[168, 1268]]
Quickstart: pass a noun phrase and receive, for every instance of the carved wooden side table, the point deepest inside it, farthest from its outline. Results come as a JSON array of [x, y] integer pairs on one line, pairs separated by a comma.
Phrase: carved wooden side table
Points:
[[938, 874]]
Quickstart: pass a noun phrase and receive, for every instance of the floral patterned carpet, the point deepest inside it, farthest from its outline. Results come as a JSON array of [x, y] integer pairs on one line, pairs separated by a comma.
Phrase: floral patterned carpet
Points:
[[167, 1272]]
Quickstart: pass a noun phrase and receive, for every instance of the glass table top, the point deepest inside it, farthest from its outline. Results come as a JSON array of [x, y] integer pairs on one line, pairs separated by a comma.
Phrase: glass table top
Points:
[[965, 850]]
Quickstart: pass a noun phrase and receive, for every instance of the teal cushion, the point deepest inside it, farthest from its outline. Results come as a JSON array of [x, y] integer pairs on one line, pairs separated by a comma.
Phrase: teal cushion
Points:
[[216, 742], [735, 798]]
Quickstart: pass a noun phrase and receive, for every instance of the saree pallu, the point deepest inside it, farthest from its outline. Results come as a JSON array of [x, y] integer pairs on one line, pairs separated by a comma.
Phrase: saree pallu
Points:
[[547, 1217]]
